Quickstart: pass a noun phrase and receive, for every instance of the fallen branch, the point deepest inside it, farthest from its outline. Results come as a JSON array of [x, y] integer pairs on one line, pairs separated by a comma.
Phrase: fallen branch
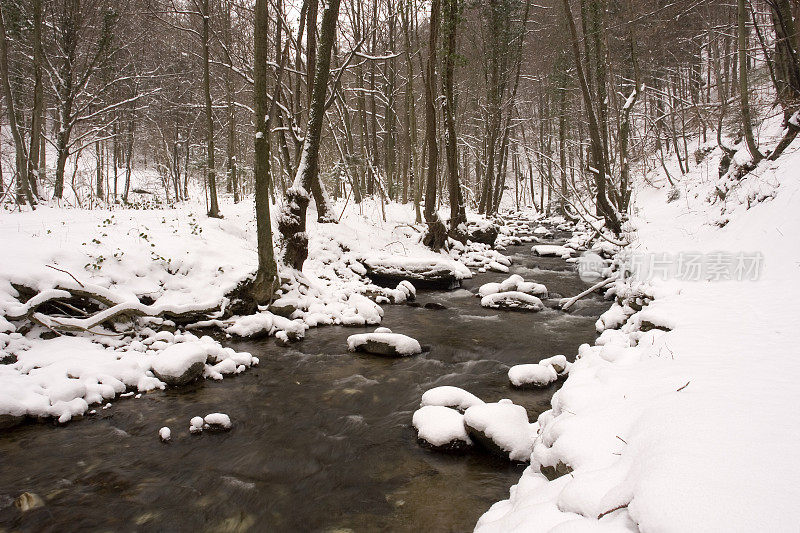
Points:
[[569, 303]]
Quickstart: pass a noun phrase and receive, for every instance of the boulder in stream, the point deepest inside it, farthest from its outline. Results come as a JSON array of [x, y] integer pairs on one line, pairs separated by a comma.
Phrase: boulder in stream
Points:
[[502, 428], [427, 273], [449, 396], [512, 301], [385, 344], [180, 363], [441, 428]]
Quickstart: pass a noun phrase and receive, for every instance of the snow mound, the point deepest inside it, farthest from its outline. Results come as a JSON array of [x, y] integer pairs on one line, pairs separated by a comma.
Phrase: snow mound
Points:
[[449, 396], [440, 427], [165, 434]]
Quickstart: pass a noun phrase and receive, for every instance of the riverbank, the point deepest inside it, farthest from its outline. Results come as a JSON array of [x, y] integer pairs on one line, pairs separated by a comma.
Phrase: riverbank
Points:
[[695, 428]]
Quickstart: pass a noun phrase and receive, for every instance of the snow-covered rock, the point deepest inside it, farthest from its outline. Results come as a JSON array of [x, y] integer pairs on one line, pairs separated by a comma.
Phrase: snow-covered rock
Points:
[[441, 428], [164, 434], [196, 424], [449, 396], [439, 273], [552, 250], [502, 428], [217, 422], [386, 344], [536, 375], [180, 363], [512, 300]]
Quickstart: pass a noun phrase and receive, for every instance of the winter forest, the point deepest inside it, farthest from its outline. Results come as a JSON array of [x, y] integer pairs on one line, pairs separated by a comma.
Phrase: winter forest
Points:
[[399, 265]]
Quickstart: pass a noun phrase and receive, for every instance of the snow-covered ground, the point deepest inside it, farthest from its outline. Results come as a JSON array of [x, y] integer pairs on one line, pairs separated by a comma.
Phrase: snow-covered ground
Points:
[[696, 428], [178, 259]]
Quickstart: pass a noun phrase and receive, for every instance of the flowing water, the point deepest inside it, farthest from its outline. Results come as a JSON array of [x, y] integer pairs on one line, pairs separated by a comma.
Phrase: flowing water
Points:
[[322, 439]]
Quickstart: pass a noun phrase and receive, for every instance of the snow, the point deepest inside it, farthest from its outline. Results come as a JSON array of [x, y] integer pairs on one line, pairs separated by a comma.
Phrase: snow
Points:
[[402, 345], [438, 425], [165, 434], [694, 428], [449, 396], [506, 424]]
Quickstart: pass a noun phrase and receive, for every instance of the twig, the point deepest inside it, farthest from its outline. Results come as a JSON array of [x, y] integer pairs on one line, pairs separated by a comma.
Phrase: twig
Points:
[[623, 440], [687, 384], [65, 272], [617, 508]]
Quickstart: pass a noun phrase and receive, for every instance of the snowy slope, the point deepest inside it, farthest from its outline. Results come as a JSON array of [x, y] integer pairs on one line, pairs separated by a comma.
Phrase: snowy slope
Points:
[[695, 429]]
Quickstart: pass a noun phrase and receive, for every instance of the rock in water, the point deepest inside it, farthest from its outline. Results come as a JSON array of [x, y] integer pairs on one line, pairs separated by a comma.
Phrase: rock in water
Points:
[[180, 363], [441, 428], [512, 301], [423, 272], [533, 375], [386, 344], [196, 425], [27, 501], [217, 422], [449, 396], [165, 434], [485, 233], [502, 428]]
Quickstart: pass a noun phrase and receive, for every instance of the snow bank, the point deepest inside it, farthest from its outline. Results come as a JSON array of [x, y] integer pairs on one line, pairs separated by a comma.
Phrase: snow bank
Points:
[[695, 428]]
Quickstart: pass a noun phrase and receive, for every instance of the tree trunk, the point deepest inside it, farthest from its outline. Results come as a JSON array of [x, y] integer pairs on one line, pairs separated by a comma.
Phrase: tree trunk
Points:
[[292, 221], [213, 208], [450, 19], [436, 237], [266, 280], [744, 98]]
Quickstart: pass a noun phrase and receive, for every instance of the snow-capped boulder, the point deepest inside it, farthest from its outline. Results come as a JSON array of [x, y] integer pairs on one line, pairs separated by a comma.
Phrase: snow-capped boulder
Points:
[[217, 422], [532, 375], [441, 428], [484, 232], [422, 271], [386, 344], [448, 396], [512, 300], [180, 363], [558, 362], [552, 250], [502, 428]]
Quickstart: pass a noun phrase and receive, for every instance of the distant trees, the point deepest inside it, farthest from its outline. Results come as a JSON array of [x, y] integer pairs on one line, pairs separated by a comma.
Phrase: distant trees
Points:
[[446, 104]]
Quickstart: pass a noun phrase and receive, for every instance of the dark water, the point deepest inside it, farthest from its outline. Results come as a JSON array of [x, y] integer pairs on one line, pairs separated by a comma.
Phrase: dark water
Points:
[[321, 440]]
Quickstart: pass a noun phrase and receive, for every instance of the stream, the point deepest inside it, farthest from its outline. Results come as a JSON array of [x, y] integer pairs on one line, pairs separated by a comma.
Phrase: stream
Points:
[[322, 439]]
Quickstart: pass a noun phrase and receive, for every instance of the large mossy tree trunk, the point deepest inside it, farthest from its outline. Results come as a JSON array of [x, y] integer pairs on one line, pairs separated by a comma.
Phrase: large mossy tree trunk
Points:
[[292, 220]]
